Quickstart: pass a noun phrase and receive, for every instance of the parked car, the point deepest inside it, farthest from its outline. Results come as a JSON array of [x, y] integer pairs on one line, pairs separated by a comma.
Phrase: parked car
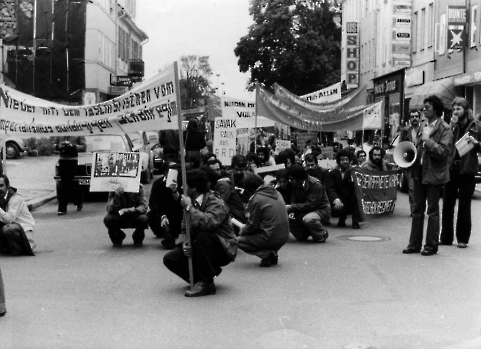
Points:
[[15, 147], [104, 143], [141, 144], [158, 157]]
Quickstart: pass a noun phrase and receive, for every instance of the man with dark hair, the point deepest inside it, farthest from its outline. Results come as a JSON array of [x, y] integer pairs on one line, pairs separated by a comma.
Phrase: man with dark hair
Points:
[[267, 228], [430, 172], [340, 190], [213, 240], [314, 170], [126, 210], [68, 148], [462, 171], [165, 215], [361, 157], [283, 186], [409, 134], [239, 166], [286, 157], [376, 160], [16, 222], [309, 210], [169, 140]]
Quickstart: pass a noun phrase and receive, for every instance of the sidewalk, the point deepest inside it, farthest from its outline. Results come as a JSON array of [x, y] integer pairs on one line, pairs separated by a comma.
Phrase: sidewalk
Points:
[[33, 178]]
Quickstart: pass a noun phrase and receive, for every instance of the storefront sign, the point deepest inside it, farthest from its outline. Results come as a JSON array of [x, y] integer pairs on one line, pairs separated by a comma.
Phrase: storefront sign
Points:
[[352, 54], [456, 26], [386, 86]]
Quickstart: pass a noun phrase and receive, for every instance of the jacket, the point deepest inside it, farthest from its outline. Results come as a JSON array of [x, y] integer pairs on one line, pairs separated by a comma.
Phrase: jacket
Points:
[[78, 146], [435, 155], [194, 140], [226, 190], [406, 135], [213, 215], [128, 200], [310, 197], [162, 202], [267, 216], [339, 187], [469, 161], [369, 165]]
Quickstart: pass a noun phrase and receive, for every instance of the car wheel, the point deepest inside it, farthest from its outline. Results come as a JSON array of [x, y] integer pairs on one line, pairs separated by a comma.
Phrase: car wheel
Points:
[[11, 151]]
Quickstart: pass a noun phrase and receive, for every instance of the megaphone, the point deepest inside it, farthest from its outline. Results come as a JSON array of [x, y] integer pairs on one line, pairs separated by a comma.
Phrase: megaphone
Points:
[[405, 154]]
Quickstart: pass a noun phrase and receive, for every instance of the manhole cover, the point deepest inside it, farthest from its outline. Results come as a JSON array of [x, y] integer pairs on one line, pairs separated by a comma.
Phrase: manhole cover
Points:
[[364, 238]]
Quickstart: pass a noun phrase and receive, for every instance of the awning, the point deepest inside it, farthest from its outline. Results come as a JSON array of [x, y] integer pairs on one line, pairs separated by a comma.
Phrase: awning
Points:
[[443, 88]]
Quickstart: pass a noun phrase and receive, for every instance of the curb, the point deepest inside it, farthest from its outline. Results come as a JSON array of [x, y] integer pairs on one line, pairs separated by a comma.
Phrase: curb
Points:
[[37, 202]]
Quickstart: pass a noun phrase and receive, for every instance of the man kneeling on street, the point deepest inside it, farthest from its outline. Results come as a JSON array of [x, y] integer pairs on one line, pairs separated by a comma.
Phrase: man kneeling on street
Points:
[[16, 222], [213, 240], [309, 210], [126, 210]]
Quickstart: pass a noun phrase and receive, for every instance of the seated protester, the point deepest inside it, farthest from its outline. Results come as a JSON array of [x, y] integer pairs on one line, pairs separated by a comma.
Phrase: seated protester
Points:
[[265, 157], [340, 190], [252, 162], [165, 215], [353, 155], [213, 240], [361, 157], [376, 160], [313, 169], [238, 164], [221, 184], [286, 157], [16, 223], [283, 186], [309, 209], [267, 228], [126, 210], [206, 157]]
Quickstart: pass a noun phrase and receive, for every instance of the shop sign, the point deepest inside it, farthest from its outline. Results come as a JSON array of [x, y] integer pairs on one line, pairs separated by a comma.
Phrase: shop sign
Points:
[[386, 86], [352, 54]]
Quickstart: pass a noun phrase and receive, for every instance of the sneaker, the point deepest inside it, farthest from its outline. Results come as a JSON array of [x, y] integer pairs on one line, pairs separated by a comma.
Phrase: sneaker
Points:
[[462, 245]]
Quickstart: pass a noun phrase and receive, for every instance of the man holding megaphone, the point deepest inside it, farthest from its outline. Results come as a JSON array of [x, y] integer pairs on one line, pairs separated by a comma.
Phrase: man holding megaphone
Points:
[[429, 171]]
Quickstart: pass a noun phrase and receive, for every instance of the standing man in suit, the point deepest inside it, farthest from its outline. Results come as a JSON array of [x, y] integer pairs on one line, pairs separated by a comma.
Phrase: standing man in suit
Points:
[[430, 172], [408, 134]]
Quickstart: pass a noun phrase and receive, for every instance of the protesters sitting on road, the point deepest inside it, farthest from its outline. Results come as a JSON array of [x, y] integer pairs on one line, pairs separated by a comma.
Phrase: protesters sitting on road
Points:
[[265, 157], [376, 160], [309, 210], [16, 222], [165, 215], [213, 240], [126, 210], [314, 170], [267, 228], [340, 190]]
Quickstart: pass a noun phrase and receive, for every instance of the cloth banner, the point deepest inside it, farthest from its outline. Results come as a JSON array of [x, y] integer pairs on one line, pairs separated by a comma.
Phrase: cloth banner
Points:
[[294, 115], [376, 191], [325, 95], [151, 105], [113, 170]]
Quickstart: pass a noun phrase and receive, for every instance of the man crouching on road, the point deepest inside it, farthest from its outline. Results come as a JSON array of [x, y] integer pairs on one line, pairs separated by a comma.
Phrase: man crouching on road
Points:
[[214, 244], [126, 210], [16, 222]]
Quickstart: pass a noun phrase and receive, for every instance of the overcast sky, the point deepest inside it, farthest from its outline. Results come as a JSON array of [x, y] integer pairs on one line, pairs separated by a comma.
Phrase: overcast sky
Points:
[[199, 27]]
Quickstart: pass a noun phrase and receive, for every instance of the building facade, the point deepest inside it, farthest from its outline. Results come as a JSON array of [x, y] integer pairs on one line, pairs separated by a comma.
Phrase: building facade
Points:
[[74, 52]]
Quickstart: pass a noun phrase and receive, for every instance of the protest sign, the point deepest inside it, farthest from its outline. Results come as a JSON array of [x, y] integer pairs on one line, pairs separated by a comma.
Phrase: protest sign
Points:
[[113, 170], [224, 144]]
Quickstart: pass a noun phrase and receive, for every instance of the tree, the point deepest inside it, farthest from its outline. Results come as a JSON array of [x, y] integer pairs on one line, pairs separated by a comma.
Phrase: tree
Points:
[[293, 43], [194, 80]]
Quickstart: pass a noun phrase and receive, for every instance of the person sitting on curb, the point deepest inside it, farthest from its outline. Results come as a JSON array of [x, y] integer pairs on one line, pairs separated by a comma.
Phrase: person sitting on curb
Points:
[[267, 228], [309, 210], [16, 222], [126, 210]]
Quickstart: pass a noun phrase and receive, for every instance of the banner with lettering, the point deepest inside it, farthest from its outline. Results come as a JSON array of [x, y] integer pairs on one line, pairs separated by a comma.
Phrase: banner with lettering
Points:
[[285, 111], [376, 191], [150, 105], [329, 94]]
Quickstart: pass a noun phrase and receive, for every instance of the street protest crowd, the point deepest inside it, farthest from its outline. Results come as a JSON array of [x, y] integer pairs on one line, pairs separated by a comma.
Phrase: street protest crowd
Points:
[[260, 198]]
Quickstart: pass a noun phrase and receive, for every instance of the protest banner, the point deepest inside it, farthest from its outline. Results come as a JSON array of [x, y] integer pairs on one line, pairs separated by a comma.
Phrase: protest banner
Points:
[[282, 145], [376, 191], [151, 105], [113, 170], [224, 144]]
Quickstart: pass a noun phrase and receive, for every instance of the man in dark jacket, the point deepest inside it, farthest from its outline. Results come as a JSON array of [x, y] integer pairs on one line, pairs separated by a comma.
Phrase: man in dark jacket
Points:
[[461, 173], [267, 228], [309, 210], [340, 190], [213, 240], [165, 215], [126, 210], [169, 140], [314, 170], [68, 147], [430, 172]]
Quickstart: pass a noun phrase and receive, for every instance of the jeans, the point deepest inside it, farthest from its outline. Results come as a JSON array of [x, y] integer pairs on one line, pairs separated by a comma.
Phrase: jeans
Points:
[[410, 181], [115, 222], [67, 186], [431, 193], [461, 185]]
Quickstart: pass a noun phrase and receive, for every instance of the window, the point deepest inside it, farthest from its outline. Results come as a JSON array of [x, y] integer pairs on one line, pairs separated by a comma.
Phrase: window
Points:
[[441, 35], [430, 24], [473, 28], [422, 32], [415, 32], [106, 51]]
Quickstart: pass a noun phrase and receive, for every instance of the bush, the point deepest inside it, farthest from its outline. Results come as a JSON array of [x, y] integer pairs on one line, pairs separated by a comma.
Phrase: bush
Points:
[[43, 145]]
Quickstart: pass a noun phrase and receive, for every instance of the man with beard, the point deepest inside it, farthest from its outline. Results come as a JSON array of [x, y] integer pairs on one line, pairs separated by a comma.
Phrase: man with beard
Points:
[[340, 190], [376, 160], [408, 134], [309, 210], [430, 172], [314, 170], [462, 171], [239, 171]]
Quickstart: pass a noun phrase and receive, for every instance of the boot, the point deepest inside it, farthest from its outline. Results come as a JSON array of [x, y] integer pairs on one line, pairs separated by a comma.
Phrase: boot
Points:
[[201, 288]]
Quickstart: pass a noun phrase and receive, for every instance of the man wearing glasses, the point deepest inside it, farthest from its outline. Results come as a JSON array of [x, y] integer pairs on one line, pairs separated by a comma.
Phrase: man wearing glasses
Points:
[[430, 171], [408, 134]]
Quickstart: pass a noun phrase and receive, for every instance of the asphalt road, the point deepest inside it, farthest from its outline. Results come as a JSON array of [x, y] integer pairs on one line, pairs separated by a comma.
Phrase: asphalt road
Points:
[[356, 291]]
